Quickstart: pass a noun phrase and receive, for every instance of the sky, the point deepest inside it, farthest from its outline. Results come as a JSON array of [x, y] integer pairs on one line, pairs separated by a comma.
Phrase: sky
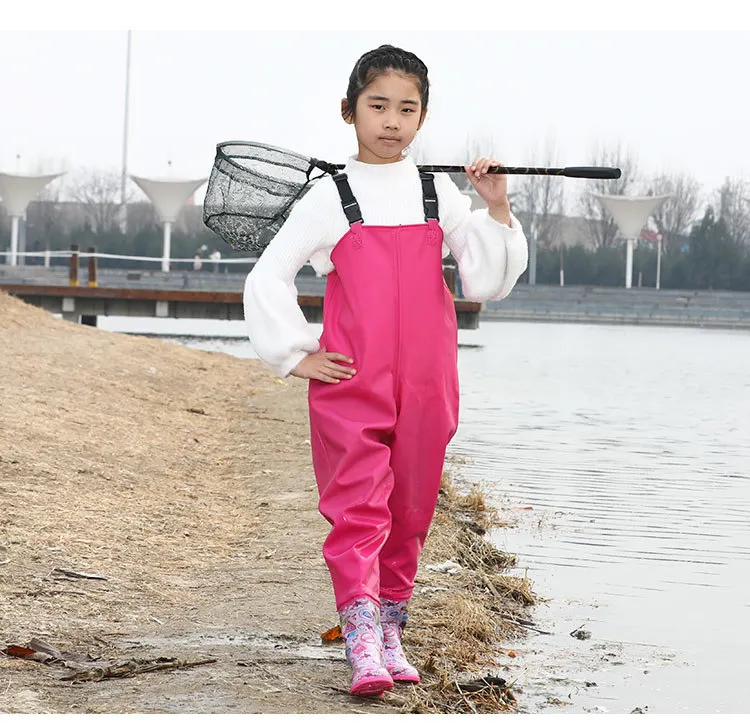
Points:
[[678, 100]]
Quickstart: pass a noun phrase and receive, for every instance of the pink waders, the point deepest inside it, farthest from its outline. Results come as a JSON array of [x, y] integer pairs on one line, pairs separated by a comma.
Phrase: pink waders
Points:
[[379, 439]]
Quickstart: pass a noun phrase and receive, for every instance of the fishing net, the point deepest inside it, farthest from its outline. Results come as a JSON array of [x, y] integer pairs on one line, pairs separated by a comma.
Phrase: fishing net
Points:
[[252, 189]]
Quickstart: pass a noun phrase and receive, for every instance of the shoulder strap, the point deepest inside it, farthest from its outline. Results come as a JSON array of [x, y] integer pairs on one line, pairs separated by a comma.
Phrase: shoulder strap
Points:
[[429, 196], [348, 201], [351, 206]]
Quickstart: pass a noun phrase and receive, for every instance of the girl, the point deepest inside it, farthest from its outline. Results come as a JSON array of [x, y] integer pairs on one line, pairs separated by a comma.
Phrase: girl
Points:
[[383, 391]]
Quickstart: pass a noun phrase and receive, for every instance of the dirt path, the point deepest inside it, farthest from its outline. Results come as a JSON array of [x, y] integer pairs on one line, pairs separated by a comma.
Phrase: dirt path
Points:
[[184, 478]]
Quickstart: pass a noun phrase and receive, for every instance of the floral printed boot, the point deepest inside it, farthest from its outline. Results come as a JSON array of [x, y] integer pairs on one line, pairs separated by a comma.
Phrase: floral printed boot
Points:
[[393, 621], [360, 626]]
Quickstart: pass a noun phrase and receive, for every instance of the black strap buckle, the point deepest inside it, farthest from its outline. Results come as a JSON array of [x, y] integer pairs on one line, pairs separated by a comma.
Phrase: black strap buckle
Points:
[[429, 196], [348, 201], [351, 206]]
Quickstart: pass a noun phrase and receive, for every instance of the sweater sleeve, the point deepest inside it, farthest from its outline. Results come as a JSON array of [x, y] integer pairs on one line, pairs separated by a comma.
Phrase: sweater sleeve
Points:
[[491, 256], [275, 323]]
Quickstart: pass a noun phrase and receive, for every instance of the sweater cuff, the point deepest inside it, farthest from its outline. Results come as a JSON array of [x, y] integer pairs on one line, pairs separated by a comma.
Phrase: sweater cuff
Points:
[[514, 227], [285, 368]]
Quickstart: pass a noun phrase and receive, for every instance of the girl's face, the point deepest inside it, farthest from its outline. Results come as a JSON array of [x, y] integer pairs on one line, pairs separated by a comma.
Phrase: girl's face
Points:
[[387, 117]]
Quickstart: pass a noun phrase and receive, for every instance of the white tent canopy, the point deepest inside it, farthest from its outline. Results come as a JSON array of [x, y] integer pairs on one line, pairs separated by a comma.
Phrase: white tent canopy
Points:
[[168, 197], [17, 191], [631, 214]]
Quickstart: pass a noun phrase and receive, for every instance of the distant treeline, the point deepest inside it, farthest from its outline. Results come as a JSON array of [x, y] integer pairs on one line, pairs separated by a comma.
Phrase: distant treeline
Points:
[[708, 258]]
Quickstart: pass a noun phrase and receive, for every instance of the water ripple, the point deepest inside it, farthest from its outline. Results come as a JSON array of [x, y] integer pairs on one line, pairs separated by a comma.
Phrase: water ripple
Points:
[[629, 445]]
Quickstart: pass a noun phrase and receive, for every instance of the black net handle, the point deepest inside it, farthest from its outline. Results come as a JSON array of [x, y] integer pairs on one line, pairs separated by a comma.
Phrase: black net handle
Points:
[[579, 172]]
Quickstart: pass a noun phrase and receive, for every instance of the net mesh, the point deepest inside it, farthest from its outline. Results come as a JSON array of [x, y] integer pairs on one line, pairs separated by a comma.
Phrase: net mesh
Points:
[[252, 189]]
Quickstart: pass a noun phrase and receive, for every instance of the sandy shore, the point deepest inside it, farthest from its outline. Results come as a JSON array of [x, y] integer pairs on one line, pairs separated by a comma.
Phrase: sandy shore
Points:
[[183, 478]]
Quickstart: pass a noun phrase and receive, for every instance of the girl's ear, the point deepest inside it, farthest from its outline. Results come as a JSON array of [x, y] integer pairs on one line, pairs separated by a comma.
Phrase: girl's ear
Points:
[[346, 112]]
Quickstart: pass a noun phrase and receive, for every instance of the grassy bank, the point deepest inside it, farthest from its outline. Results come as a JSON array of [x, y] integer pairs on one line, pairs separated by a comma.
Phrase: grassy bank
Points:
[[182, 480]]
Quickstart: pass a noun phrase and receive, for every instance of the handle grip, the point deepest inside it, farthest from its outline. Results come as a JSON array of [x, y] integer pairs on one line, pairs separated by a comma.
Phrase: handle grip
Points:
[[593, 172]]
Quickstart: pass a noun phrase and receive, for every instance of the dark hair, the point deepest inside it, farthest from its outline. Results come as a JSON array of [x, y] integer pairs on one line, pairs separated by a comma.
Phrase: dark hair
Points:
[[379, 61]]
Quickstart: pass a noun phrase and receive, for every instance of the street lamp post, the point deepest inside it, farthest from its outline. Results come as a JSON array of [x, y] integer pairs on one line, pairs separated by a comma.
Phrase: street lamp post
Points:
[[532, 256], [658, 260], [124, 176]]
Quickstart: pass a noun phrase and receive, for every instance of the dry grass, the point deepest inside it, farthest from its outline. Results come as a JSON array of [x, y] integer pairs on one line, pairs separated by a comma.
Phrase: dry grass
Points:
[[103, 469], [159, 467], [457, 632]]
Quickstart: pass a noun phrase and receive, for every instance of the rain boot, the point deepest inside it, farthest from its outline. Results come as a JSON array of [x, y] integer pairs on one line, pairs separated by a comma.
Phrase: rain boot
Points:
[[393, 621], [360, 627]]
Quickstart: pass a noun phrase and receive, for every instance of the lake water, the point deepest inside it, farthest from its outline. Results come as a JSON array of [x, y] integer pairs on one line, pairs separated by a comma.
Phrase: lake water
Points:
[[621, 454]]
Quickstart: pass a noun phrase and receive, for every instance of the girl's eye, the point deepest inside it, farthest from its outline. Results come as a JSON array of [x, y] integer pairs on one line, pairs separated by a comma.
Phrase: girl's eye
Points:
[[378, 106], [411, 111]]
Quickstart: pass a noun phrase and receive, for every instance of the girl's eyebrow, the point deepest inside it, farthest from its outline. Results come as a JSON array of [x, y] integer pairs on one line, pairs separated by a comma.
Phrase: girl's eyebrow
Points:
[[385, 98]]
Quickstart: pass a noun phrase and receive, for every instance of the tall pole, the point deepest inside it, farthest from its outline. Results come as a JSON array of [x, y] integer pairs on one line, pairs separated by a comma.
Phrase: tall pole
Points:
[[532, 257], [658, 261], [124, 178], [629, 263], [14, 240], [167, 246]]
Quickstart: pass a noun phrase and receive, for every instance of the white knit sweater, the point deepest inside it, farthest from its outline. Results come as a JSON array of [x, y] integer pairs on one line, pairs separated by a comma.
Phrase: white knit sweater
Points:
[[491, 256]]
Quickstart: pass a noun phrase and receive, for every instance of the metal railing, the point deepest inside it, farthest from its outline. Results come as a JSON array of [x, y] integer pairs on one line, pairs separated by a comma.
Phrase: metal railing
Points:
[[47, 256]]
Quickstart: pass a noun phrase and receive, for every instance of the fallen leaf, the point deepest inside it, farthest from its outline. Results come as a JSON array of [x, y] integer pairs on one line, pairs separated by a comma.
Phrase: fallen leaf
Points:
[[17, 651], [332, 635]]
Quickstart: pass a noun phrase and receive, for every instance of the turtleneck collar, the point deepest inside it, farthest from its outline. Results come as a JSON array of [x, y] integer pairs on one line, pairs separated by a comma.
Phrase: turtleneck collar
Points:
[[392, 169]]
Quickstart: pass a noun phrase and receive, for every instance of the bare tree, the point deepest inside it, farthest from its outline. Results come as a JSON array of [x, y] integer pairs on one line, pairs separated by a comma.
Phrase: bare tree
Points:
[[540, 197], [602, 226], [733, 205], [98, 192], [141, 216], [676, 215], [45, 214]]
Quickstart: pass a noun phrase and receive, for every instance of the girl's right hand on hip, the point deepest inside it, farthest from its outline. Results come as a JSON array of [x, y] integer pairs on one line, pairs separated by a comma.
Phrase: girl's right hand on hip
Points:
[[323, 367]]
